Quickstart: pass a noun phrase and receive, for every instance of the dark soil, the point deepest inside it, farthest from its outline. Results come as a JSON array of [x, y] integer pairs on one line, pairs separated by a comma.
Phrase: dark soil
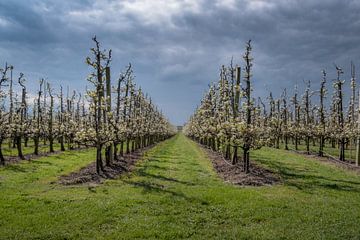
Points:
[[258, 175], [88, 174]]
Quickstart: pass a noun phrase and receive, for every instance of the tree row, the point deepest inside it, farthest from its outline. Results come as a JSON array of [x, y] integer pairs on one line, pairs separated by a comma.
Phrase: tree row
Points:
[[116, 118], [230, 118]]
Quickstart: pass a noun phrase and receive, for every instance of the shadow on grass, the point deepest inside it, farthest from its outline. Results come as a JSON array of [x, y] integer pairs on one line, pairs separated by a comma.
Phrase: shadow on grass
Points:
[[169, 160], [142, 172], [35, 166], [188, 169], [308, 182], [163, 159], [149, 187], [16, 168], [42, 162], [156, 167]]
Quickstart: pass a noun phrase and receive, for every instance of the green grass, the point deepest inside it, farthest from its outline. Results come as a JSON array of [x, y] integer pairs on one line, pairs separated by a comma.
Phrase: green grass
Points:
[[9, 150], [174, 193], [350, 153]]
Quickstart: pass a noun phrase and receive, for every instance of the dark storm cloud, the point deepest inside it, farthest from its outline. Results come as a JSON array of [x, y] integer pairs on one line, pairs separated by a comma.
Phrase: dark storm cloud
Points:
[[177, 47]]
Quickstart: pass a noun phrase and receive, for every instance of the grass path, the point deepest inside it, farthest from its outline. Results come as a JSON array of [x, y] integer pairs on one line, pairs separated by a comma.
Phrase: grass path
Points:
[[174, 193]]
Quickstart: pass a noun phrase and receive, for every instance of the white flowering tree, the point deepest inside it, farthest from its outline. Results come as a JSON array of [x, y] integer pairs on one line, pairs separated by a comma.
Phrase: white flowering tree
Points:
[[4, 127], [221, 121], [134, 122]]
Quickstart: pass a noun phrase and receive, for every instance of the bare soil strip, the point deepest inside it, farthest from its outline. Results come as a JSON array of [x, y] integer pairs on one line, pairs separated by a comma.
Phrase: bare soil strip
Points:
[[88, 174], [258, 175]]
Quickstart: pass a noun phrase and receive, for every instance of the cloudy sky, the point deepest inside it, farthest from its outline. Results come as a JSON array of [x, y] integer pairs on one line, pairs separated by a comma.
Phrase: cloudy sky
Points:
[[177, 47]]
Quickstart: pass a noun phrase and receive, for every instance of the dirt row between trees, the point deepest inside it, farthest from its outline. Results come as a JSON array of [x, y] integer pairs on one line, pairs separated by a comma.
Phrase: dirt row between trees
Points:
[[88, 173], [258, 175], [234, 174]]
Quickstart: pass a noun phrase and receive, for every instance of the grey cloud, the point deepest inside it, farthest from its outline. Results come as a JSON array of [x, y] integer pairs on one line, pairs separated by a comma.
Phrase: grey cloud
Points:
[[178, 51]]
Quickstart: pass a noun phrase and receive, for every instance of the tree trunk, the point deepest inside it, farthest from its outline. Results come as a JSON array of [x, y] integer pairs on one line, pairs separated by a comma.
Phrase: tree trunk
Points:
[[19, 148], [2, 159], [62, 146], [342, 150], [321, 146], [116, 157], [99, 163], [133, 146], [127, 146], [51, 144], [227, 151], [36, 145], [358, 152], [308, 145], [213, 144], [235, 155], [109, 149], [122, 148], [108, 155], [246, 160]]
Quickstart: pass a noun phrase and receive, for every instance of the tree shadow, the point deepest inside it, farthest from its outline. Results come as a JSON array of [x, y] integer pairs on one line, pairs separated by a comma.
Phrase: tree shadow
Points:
[[42, 163], [142, 172], [16, 168], [308, 182], [149, 187], [156, 167]]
